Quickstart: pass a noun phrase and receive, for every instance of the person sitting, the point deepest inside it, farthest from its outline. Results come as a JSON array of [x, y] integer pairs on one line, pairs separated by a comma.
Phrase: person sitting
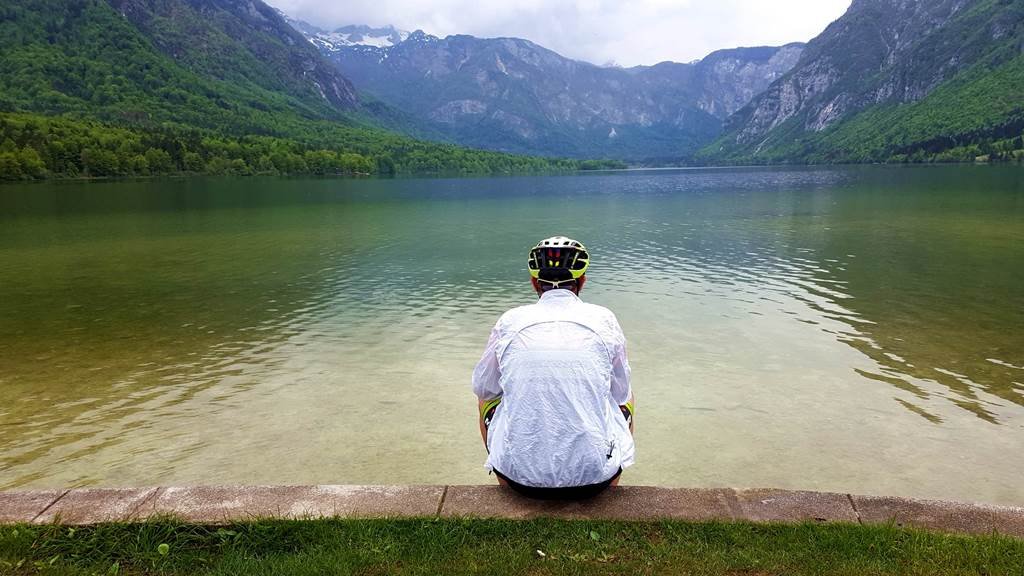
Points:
[[553, 386]]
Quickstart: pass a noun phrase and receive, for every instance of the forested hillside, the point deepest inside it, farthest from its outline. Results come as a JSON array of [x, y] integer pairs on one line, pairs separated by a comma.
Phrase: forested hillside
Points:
[[244, 42], [894, 81], [977, 116], [84, 92], [82, 57]]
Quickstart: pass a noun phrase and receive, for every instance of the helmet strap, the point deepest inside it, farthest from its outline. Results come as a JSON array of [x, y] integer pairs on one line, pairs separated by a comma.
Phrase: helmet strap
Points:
[[572, 284]]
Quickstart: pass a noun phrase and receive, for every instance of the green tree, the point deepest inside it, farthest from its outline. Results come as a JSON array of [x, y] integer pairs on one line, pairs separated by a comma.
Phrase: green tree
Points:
[[31, 163], [159, 161], [10, 167], [138, 165], [238, 167], [385, 165], [100, 162], [192, 162]]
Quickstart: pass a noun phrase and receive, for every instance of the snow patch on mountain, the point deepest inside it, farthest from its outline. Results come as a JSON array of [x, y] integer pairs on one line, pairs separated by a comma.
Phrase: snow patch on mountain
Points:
[[348, 36], [359, 36]]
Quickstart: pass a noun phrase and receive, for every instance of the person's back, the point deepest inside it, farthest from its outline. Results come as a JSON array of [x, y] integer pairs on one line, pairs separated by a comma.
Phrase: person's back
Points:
[[554, 389]]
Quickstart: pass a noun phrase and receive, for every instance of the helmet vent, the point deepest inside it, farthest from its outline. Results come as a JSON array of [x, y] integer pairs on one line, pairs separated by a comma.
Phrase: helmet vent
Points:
[[558, 259]]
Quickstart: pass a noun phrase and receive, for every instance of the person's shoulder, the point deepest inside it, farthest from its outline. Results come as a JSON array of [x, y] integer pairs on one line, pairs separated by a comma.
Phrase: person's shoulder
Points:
[[603, 316], [598, 311], [514, 314]]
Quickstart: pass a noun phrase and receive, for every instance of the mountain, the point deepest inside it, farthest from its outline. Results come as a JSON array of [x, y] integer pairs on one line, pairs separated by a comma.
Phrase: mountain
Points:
[[349, 35], [134, 87], [192, 62], [242, 41], [893, 80], [512, 95], [722, 82]]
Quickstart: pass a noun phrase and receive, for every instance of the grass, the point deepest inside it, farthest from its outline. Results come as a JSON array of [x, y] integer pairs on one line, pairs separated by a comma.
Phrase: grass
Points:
[[494, 547]]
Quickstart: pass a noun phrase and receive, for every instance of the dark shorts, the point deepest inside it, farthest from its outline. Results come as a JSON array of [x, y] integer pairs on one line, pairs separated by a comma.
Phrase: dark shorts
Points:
[[563, 493]]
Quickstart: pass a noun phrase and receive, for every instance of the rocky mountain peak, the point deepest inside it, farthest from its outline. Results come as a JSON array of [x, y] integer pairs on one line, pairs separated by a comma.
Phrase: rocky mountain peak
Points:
[[880, 53], [514, 95], [348, 36], [421, 36]]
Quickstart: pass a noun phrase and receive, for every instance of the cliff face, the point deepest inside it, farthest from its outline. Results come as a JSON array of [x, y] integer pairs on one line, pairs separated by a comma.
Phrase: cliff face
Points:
[[725, 80], [239, 40], [881, 52], [511, 94]]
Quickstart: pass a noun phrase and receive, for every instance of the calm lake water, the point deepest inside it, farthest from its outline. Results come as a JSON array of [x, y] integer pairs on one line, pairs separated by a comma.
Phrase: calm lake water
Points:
[[852, 329]]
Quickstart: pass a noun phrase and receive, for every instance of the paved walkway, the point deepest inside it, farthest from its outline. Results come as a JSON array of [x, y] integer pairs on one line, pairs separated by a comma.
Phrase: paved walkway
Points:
[[221, 504]]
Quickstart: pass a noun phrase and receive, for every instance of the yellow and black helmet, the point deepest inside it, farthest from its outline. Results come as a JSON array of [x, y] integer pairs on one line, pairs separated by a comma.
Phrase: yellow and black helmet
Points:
[[558, 260]]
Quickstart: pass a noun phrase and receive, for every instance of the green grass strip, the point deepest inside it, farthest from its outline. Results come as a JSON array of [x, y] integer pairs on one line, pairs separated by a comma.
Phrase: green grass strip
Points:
[[494, 547]]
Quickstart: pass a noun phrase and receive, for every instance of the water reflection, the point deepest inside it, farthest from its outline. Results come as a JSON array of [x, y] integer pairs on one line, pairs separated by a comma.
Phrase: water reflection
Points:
[[889, 309], [304, 331]]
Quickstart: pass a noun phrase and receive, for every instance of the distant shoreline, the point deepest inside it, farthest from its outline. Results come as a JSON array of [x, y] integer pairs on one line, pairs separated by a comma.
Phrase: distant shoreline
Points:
[[431, 175]]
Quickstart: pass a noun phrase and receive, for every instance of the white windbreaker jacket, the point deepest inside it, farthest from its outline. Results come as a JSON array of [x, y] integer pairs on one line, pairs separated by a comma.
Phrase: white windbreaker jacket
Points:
[[560, 369]]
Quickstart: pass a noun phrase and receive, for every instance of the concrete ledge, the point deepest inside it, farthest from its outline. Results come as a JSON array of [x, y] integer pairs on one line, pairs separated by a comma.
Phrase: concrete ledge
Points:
[[939, 515], [621, 503], [24, 506], [223, 504], [219, 504], [789, 506], [95, 505]]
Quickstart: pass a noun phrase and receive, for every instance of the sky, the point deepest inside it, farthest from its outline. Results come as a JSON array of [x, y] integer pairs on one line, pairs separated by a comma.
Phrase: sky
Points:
[[623, 32]]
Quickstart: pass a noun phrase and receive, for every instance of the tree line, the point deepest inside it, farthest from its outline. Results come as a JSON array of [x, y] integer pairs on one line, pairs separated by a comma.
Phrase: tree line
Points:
[[37, 147]]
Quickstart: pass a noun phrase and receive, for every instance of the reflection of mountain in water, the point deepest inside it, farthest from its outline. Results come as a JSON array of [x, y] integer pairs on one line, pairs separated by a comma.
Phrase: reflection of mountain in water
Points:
[[914, 268], [902, 268], [927, 285]]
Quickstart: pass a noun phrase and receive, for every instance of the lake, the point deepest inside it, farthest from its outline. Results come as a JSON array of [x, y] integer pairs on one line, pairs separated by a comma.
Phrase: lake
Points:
[[854, 329]]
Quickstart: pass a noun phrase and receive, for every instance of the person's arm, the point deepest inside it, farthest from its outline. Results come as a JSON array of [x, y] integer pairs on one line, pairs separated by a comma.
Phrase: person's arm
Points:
[[622, 390], [480, 413], [486, 378], [631, 406]]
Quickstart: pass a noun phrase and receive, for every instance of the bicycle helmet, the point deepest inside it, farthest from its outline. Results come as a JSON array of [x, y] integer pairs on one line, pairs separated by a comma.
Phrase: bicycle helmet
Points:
[[558, 260]]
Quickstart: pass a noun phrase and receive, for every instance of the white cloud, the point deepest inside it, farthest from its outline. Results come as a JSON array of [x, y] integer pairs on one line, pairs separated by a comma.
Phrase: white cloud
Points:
[[628, 32]]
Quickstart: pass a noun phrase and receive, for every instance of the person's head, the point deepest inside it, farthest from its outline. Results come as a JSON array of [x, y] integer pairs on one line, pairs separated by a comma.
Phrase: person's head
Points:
[[558, 263]]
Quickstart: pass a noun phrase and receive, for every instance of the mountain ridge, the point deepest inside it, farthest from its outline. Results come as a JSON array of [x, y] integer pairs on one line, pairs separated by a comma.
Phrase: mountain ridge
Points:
[[862, 88], [511, 94], [890, 81]]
